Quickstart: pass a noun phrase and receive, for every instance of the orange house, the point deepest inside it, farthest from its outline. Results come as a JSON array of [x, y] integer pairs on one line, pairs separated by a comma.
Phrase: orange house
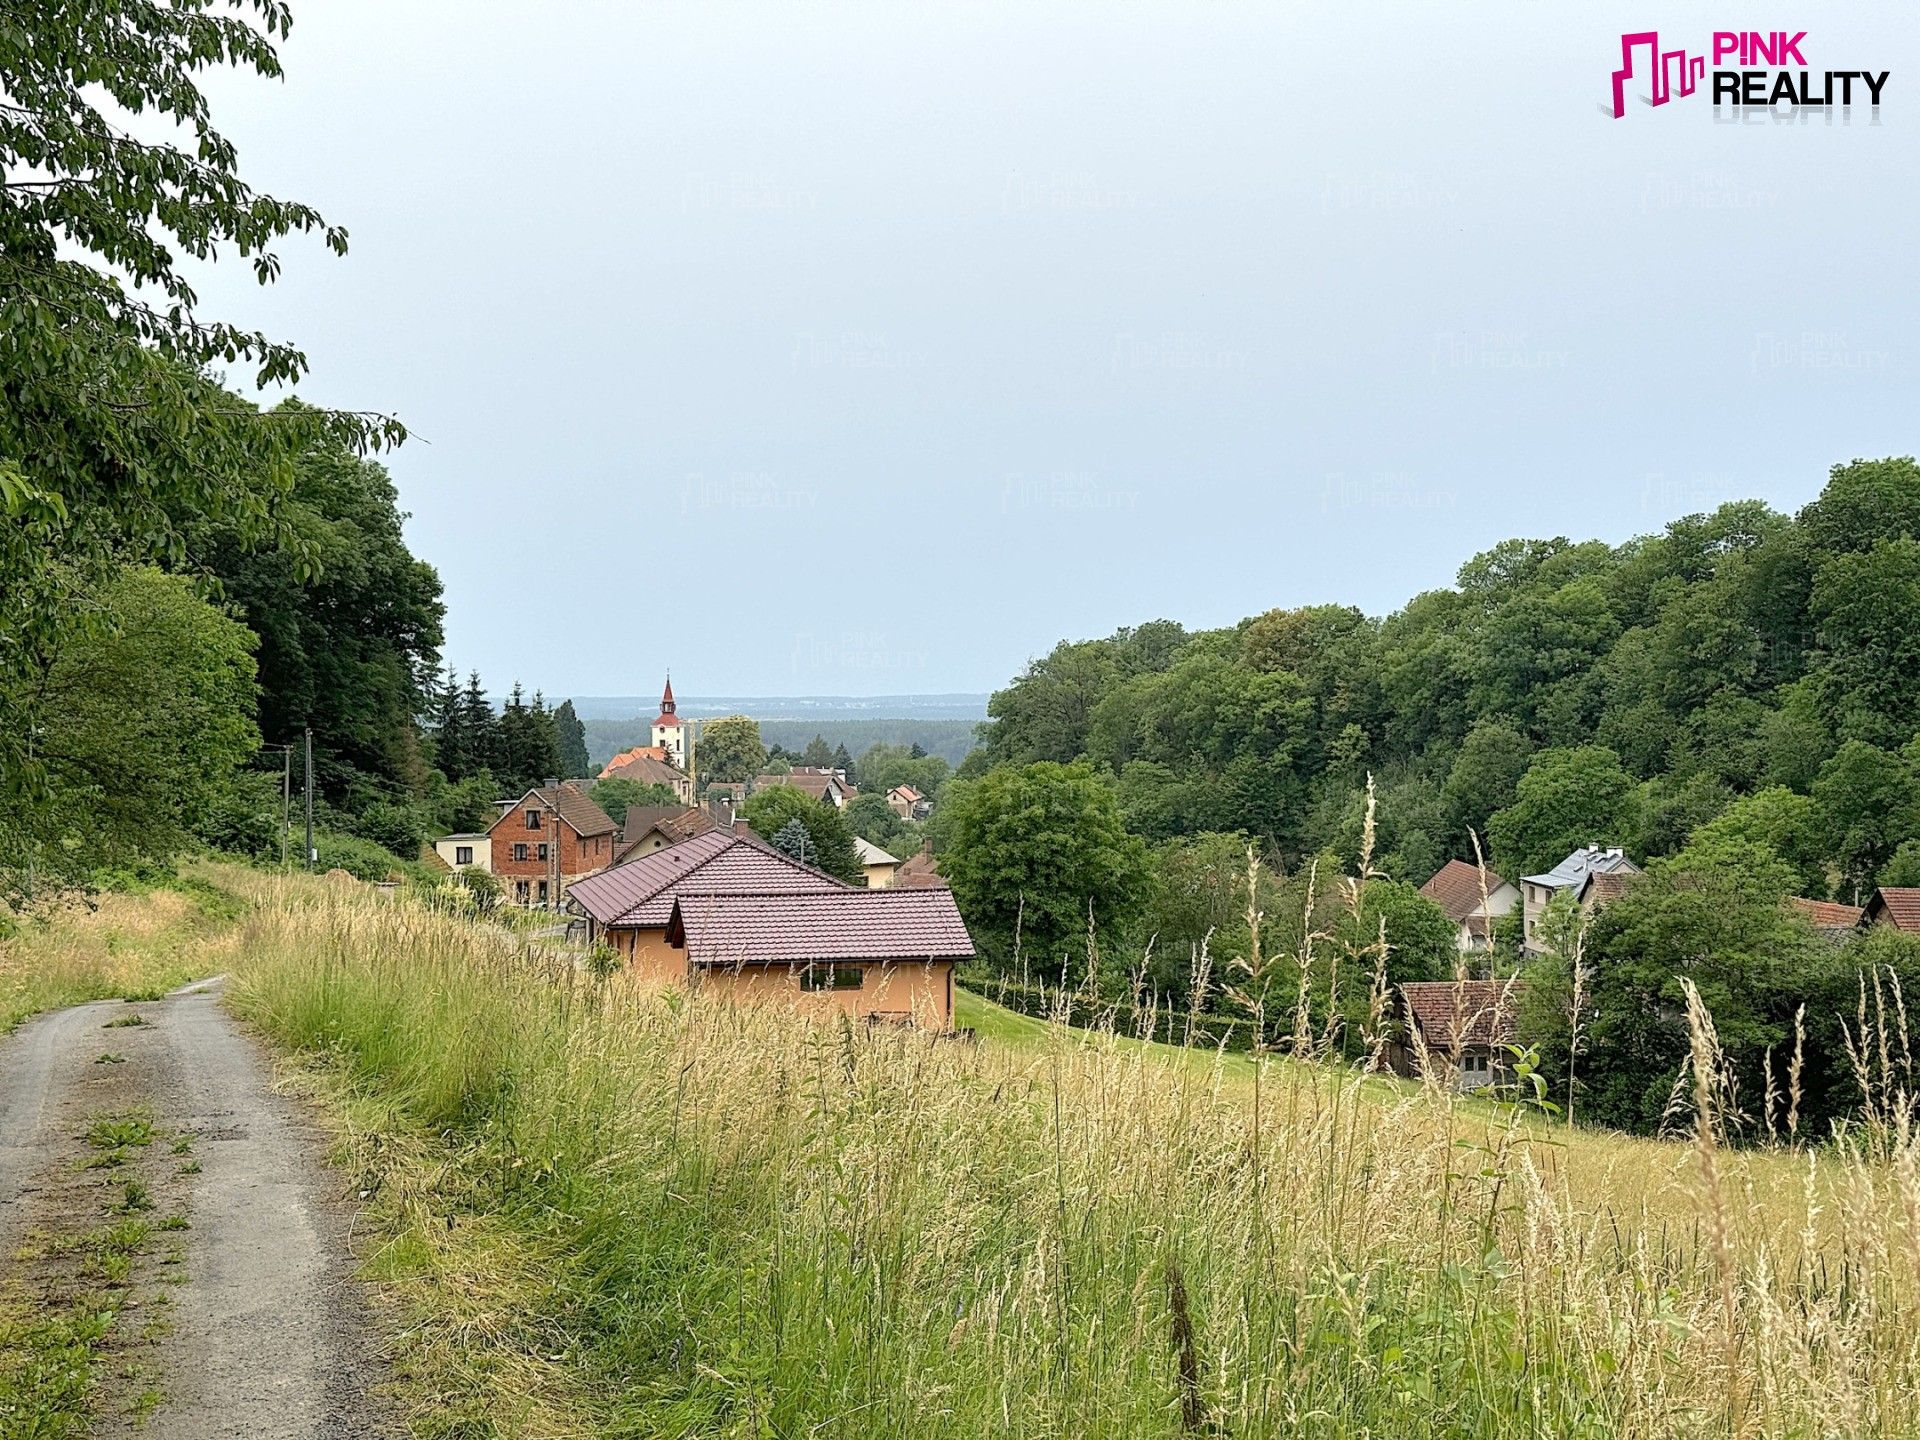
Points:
[[628, 906], [874, 954], [904, 971]]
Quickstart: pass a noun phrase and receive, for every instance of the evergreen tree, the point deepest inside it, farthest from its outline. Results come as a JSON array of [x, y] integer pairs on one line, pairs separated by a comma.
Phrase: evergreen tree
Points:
[[843, 761], [817, 756], [571, 736], [794, 841], [486, 744], [452, 740]]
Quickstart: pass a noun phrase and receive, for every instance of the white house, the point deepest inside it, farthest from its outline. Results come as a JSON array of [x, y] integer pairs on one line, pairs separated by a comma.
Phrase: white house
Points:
[[1593, 873], [465, 852], [1473, 900]]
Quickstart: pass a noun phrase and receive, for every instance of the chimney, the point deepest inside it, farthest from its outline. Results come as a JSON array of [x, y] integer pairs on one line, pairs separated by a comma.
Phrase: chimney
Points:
[[553, 782], [742, 828]]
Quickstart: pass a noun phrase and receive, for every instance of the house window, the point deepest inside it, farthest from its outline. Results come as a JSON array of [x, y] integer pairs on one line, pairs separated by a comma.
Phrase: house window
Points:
[[463, 854], [520, 891], [543, 892], [833, 977], [520, 851], [1475, 1071], [533, 819], [541, 852]]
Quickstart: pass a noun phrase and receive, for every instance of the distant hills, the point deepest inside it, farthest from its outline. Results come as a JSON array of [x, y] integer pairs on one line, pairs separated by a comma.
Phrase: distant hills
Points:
[[939, 724], [788, 707]]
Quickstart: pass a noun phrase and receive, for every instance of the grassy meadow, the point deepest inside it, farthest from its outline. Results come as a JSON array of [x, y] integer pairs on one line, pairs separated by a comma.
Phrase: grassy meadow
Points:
[[595, 1210], [612, 1212]]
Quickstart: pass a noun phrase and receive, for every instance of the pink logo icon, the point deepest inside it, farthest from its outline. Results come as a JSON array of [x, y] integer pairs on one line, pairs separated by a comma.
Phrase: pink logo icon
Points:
[[1664, 71]]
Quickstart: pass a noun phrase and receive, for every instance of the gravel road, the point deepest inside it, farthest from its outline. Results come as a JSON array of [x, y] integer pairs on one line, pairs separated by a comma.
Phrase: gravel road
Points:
[[267, 1335]]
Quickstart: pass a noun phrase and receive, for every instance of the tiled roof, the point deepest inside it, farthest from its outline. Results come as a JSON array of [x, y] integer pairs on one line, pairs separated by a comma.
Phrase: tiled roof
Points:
[[641, 891], [906, 792], [813, 784], [1607, 885], [634, 752], [1898, 905], [1830, 918], [643, 768], [738, 929], [572, 805], [676, 822], [919, 871], [1486, 1009], [1455, 888], [871, 854], [1587, 860]]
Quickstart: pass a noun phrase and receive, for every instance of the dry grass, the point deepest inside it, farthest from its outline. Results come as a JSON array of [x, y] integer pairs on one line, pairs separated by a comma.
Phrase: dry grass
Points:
[[624, 1213], [128, 945]]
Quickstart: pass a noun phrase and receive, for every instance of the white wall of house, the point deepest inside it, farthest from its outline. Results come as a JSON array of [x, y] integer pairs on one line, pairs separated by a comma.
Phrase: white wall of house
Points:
[[466, 852]]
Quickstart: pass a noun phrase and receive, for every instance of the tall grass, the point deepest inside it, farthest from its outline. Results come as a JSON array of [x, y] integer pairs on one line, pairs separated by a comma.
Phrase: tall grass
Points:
[[735, 1222]]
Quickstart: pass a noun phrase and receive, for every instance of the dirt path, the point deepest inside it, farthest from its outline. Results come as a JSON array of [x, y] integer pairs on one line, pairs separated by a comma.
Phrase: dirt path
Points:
[[257, 1327]]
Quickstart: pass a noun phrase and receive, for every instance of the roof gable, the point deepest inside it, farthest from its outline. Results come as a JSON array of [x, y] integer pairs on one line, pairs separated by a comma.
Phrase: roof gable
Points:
[[1896, 905], [570, 803], [1587, 860]]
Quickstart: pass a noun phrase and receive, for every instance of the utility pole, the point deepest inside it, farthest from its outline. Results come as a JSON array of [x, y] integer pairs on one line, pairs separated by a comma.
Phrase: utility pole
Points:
[[311, 857], [286, 803]]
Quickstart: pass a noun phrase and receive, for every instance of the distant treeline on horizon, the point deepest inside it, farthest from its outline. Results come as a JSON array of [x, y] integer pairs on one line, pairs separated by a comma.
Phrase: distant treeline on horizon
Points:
[[948, 738]]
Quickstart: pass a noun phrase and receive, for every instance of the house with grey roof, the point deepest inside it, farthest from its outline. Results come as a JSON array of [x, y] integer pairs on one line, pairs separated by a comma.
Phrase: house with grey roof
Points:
[[1593, 874]]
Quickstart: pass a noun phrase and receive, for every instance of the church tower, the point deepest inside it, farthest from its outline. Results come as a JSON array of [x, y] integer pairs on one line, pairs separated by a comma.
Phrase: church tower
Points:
[[669, 732]]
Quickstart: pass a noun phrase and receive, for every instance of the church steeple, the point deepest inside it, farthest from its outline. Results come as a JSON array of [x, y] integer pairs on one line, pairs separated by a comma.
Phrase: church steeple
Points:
[[666, 696]]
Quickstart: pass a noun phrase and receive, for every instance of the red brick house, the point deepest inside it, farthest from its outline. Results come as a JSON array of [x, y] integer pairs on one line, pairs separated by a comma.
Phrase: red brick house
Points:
[[547, 839]]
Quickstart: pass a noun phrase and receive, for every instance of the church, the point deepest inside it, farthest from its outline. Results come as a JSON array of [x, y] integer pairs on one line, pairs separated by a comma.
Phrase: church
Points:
[[669, 731]]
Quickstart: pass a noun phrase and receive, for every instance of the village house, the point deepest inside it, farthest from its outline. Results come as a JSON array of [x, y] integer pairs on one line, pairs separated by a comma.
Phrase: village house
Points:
[[884, 956], [628, 906], [908, 803], [654, 827], [919, 871], [828, 785], [1473, 899], [1895, 905], [1593, 874], [548, 839], [1458, 1031], [641, 766], [471, 850], [877, 863], [903, 954]]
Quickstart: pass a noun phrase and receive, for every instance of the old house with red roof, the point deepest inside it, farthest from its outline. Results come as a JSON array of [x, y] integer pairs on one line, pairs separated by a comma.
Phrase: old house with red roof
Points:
[[1895, 905], [1834, 922], [551, 837], [1458, 1031], [1473, 899]]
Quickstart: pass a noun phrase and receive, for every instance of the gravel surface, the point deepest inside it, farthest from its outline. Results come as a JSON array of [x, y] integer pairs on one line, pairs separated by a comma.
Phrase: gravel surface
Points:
[[268, 1337]]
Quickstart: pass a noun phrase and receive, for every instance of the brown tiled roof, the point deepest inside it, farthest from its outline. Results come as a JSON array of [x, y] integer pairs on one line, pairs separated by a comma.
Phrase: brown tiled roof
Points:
[[676, 822], [1897, 905], [643, 768], [919, 871], [1829, 916], [813, 784], [1455, 888], [906, 792], [651, 752], [904, 926], [1485, 1008], [1607, 886], [641, 891], [572, 805]]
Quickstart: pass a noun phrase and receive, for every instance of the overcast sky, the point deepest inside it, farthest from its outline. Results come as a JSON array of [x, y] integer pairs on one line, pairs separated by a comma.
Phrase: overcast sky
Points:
[[869, 349]]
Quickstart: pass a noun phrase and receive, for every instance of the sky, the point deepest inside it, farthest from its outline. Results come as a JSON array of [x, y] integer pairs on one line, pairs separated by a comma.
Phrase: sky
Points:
[[873, 349]]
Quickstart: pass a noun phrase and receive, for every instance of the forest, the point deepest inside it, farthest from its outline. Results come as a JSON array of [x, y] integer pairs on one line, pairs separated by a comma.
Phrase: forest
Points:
[[1735, 701]]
